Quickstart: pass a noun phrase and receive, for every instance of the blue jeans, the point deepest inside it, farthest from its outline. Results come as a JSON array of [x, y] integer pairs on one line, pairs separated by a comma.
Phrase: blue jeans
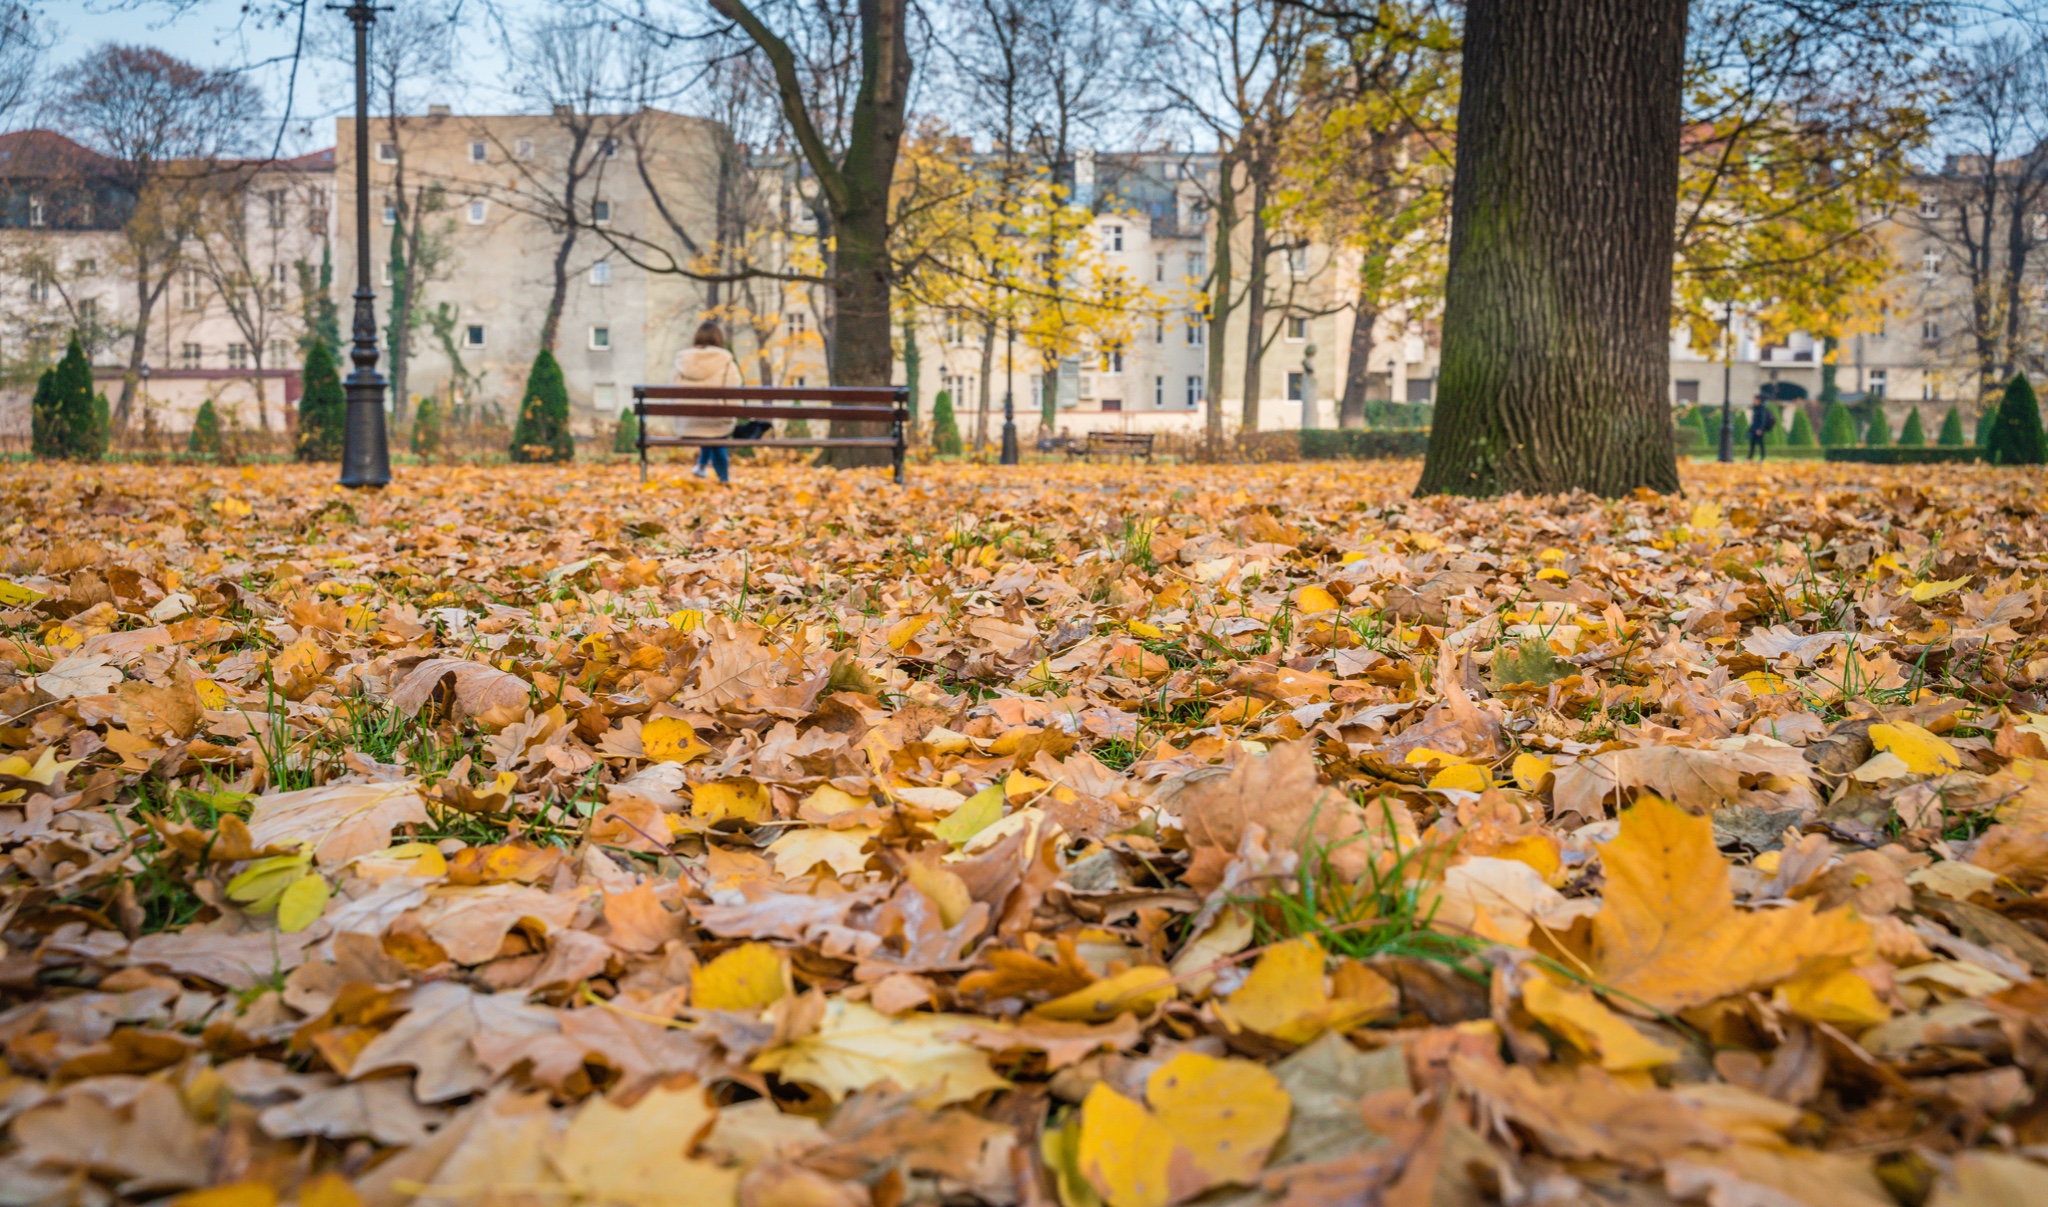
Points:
[[718, 459]]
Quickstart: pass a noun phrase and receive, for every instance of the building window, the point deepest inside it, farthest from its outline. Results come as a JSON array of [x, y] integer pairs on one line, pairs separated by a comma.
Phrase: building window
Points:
[[1158, 393], [609, 148], [1297, 328], [1930, 262], [478, 153], [1930, 207], [191, 289], [36, 216], [1930, 330], [85, 216], [601, 272], [390, 214], [88, 313], [600, 337], [190, 356], [476, 212], [39, 287], [1688, 391], [796, 322], [1878, 381], [1113, 361], [1294, 387], [280, 352], [1158, 328], [1198, 265], [280, 274], [1116, 238], [86, 268], [238, 356], [473, 336], [1159, 267], [523, 148], [387, 152], [600, 212], [1194, 330], [1297, 261], [1194, 392], [273, 205]]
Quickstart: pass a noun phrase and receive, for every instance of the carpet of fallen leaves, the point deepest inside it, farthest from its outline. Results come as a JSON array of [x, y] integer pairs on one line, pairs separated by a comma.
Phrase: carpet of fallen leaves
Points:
[[1066, 835]]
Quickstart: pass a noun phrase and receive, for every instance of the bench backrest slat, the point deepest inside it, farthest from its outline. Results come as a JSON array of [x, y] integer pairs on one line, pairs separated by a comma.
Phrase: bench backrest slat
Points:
[[831, 394], [730, 410]]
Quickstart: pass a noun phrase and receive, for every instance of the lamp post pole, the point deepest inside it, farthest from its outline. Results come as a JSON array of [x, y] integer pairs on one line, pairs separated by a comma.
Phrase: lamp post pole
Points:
[[1308, 388], [1727, 384], [1009, 456], [365, 452]]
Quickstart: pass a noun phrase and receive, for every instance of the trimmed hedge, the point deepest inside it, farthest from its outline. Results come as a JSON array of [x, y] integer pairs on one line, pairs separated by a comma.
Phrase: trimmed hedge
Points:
[[2016, 436], [1334, 444], [1899, 455]]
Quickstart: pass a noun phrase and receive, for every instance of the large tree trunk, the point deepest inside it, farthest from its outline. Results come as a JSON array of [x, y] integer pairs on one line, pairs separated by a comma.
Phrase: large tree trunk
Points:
[[1557, 306], [1358, 363], [860, 354], [1255, 300], [138, 344]]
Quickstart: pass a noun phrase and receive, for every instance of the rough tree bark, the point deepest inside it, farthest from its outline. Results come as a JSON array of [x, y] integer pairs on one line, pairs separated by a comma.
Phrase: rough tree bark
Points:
[[855, 186], [1557, 306], [988, 358], [1257, 261], [1222, 223]]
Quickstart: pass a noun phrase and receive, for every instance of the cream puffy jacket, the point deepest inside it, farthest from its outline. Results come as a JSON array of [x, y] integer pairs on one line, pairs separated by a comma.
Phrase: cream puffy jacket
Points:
[[706, 367]]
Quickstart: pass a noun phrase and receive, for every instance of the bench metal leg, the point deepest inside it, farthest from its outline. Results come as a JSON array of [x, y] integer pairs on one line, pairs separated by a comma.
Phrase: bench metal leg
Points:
[[640, 434], [896, 454]]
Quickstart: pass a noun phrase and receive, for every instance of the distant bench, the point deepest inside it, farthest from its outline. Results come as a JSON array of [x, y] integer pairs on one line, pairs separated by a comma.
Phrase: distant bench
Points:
[[847, 404], [1113, 444]]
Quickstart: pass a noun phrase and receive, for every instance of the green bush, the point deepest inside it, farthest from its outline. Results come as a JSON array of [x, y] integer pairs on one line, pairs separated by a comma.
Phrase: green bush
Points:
[[43, 423], [204, 438], [323, 408], [1686, 440], [1900, 455], [1775, 438], [1986, 420], [2016, 437], [945, 428], [1837, 429], [1324, 444], [426, 428], [1801, 435], [67, 419], [1952, 429], [1879, 433], [542, 433], [626, 436], [1912, 435], [1708, 419]]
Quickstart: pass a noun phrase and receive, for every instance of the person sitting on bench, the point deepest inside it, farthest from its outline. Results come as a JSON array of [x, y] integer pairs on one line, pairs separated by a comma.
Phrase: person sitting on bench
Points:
[[708, 363]]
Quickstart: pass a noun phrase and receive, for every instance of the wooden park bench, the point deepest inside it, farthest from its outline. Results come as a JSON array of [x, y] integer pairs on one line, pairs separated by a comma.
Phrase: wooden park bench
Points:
[[851, 404], [1114, 444]]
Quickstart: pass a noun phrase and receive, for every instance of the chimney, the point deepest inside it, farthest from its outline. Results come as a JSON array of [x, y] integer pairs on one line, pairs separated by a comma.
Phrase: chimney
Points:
[[437, 111], [565, 111]]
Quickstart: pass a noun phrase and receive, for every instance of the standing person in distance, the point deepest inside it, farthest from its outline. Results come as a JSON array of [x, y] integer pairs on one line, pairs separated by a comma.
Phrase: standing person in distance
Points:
[[707, 362], [1761, 421]]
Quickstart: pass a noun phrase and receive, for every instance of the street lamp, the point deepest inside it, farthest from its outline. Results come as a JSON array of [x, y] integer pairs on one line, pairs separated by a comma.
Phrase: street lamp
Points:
[[1009, 456], [365, 453], [1727, 384]]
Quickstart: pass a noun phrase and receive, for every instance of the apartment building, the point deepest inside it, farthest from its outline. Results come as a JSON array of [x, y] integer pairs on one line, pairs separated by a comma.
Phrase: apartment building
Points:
[[484, 203], [229, 303]]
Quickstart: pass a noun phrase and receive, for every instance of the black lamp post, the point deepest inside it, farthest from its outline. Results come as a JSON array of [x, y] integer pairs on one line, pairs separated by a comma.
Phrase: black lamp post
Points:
[[1728, 384], [1009, 456], [365, 452]]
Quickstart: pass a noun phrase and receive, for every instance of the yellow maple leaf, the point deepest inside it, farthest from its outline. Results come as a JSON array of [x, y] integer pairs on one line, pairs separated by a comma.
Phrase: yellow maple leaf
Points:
[[857, 1046], [1935, 589], [749, 977], [671, 740], [1465, 777], [1529, 771], [1837, 997], [904, 631], [1668, 933], [1285, 996], [638, 1154], [1312, 600], [1581, 1020], [1212, 1122], [730, 800], [1134, 990], [302, 903], [800, 850], [1923, 752]]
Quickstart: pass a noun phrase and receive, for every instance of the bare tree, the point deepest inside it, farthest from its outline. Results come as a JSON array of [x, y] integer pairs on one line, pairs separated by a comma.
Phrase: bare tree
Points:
[[165, 126], [242, 236], [1987, 205], [24, 39], [1233, 68]]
